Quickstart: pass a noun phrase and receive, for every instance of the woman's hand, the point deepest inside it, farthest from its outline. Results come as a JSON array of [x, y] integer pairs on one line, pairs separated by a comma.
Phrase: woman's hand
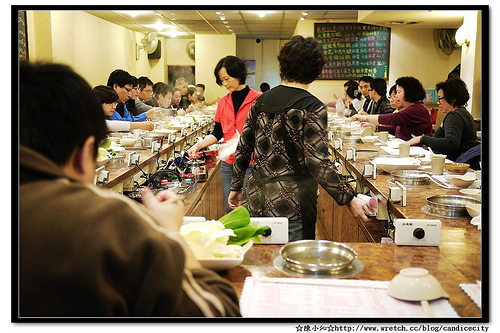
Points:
[[143, 125], [358, 117], [358, 207], [193, 152], [415, 141], [366, 124], [234, 199], [166, 207]]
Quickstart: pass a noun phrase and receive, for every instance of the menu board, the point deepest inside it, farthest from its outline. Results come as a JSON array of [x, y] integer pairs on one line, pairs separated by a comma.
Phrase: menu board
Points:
[[353, 50]]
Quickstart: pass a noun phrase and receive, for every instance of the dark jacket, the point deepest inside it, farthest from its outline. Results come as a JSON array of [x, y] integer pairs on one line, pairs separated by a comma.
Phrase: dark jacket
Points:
[[456, 135], [382, 106], [90, 252]]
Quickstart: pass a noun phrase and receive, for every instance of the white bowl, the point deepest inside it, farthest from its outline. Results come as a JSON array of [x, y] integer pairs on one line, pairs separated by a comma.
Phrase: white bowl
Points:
[[473, 209], [415, 284], [461, 181], [127, 142], [425, 161], [369, 139], [472, 192], [389, 164]]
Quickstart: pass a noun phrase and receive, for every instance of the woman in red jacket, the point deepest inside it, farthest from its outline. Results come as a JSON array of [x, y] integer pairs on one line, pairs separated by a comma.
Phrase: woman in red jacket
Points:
[[231, 114]]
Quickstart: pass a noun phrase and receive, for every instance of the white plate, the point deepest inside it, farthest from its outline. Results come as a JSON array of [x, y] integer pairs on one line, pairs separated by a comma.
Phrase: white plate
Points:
[[389, 164], [165, 131], [117, 148], [220, 264], [472, 192]]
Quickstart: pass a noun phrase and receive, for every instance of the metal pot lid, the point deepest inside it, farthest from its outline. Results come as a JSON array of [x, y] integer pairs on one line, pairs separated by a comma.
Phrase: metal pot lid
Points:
[[451, 201]]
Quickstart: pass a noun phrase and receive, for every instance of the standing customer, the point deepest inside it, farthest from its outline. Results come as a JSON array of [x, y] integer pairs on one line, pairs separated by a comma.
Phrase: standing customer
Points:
[[457, 133], [413, 119], [84, 251], [232, 111], [286, 132]]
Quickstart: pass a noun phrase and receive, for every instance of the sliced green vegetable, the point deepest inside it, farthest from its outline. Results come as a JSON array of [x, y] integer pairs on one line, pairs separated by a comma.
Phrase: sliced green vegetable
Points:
[[237, 218]]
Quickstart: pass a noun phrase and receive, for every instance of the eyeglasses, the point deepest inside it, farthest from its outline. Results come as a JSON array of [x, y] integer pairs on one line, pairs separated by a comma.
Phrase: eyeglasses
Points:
[[149, 91], [114, 104], [137, 89], [439, 99], [127, 89]]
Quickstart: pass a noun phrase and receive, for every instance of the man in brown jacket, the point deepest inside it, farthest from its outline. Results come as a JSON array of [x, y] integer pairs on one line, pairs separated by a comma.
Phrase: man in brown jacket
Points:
[[86, 252]]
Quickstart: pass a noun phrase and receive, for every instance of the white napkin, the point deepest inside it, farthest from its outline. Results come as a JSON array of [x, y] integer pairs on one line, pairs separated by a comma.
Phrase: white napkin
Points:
[[229, 147]]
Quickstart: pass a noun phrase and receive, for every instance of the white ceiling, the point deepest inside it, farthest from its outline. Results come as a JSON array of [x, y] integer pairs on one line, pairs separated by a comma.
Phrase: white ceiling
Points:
[[277, 24]]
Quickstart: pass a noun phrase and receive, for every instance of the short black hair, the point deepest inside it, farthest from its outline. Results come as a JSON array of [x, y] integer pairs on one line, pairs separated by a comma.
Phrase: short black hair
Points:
[[455, 91], [301, 60], [135, 81], [235, 67], [144, 81], [201, 85], [264, 86], [62, 123], [191, 90], [352, 89], [366, 78], [379, 85], [393, 89], [105, 94], [120, 78], [161, 88], [414, 90]]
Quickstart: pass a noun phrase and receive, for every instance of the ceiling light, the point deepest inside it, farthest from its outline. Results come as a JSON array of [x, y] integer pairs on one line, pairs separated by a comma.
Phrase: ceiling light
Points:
[[305, 13], [222, 18], [262, 13], [302, 19], [224, 22], [218, 13], [230, 30], [461, 36], [132, 13]]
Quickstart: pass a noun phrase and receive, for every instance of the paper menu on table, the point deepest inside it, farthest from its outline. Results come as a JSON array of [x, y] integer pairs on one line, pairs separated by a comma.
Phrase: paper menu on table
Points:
[[393, 149], [473, 290], [300, 297]]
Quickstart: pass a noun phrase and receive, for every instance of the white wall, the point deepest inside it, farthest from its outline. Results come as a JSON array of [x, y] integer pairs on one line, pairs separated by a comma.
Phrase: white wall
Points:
[[209, 50]]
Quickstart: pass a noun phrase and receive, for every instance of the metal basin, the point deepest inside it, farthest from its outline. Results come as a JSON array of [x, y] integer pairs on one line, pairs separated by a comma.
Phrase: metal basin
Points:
[[450, 205], [411, 177], [317, 256]]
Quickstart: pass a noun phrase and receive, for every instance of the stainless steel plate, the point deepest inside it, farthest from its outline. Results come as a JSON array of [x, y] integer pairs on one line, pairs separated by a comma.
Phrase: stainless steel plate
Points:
[[318, 256], [450, 205], [351, 270], [411, 177]]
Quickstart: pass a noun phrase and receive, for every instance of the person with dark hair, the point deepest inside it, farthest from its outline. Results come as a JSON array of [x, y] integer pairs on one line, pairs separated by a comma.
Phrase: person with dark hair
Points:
[[395, 103], [177, 99], [132, 96], [89, 252], [364, 88], [107, 96], [182, 84], [192, 98], [414, 119], [232, 110], [286, 133], [144, 95], [457, 133], [200, 89], [264, 86], [121, 81], [378, 92]]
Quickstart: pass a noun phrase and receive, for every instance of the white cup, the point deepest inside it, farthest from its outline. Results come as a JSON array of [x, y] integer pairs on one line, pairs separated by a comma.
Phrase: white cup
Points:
[[404, 150], [383, 136], [437, 164]]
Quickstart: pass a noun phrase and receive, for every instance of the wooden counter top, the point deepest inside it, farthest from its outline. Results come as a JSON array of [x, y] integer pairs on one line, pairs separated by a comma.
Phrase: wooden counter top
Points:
[[381, 262]]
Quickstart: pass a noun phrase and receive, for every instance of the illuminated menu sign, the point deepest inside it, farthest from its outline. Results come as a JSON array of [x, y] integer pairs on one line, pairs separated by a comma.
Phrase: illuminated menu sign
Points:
[[353, 50]]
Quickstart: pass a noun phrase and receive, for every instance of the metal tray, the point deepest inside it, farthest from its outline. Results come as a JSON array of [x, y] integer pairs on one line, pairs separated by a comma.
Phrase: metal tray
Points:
[[450, 205], [411, 177], [317, 256]]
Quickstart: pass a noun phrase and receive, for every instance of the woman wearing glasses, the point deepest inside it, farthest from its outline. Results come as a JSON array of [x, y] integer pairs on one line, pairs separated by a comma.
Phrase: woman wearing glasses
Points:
[[413, 119], [107, 96], [457, 133]]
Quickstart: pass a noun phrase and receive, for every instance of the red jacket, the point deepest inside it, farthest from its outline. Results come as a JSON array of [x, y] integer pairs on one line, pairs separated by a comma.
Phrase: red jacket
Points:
[[226, 117]]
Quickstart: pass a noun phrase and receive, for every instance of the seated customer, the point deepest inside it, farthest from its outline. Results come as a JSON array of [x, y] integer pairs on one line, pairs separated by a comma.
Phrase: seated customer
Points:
[[413, 119], [395, 102], [132, 96], [351, 103], [192, 100], [107, 97], [84, 251], [378, 91], [145, 94], [121, 82], [457, 133], [177, 99]]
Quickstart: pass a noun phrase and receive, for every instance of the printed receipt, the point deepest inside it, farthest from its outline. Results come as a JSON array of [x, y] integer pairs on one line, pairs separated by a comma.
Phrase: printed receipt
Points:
[[300, 297]]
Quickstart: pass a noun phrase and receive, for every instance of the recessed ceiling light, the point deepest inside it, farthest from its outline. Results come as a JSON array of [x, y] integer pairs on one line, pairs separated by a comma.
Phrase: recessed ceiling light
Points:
[[305, 13], [132, 13], [218, 13], [224, 22], [230, 30], [302, 19], [222, 18]]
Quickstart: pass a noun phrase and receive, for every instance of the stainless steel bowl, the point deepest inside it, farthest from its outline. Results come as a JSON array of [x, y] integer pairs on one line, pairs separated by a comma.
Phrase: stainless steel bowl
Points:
[[450, 205], [411, 177], [317, 256]]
